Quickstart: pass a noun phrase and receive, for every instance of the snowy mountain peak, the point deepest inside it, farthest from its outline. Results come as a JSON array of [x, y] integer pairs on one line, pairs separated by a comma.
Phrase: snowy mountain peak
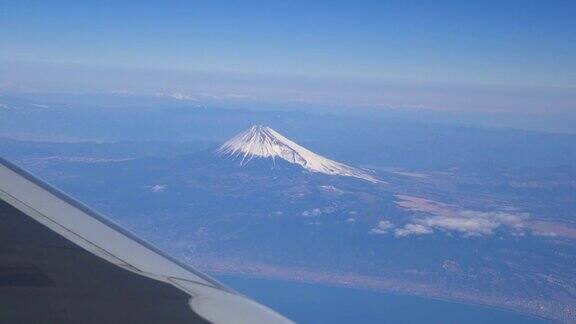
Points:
[[264, 142]]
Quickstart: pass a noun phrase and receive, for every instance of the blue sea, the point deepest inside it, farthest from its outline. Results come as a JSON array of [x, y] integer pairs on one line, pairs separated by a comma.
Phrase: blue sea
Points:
[[319, 304]]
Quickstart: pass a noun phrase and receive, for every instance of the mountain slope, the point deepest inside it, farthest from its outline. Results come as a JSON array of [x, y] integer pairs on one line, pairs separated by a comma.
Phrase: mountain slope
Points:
[[264, 142]]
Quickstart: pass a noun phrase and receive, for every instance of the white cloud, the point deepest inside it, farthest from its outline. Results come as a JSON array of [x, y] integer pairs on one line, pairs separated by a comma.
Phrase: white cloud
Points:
[[238, 96], [175, 95], [123, 92], [467, 222], [412, 229], [312, 212], [331, 188], [382, 227], [474, 223], [548, 234], [450, 218], [351, 220], [466, 225], [315, 212], [158, 188]]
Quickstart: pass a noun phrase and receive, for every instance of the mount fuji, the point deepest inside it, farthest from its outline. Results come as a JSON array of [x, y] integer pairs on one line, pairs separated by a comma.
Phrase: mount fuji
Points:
[[261, 142]]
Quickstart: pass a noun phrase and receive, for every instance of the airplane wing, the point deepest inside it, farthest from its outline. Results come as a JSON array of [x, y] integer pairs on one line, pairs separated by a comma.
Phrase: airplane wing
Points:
[[61, 262]]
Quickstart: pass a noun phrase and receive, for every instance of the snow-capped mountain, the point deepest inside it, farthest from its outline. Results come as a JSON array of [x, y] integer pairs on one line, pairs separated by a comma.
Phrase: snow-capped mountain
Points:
[[264, 142]]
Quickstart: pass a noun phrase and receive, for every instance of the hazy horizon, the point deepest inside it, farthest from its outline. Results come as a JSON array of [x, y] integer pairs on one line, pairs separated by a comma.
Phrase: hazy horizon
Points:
[[488, 58]]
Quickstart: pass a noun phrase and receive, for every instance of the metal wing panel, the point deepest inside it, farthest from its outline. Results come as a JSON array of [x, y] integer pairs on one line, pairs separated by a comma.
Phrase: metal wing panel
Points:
[[70, 221], [46, 279]]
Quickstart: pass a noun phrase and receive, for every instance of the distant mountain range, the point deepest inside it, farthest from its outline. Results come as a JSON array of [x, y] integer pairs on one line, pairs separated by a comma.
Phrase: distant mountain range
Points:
[[372, 139]]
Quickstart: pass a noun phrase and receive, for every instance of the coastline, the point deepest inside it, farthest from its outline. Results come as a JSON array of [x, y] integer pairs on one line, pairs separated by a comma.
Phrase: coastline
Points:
[[380, 285]]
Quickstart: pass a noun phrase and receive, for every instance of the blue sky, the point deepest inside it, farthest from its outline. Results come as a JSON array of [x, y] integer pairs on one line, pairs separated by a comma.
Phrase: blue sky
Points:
[[404, 48]]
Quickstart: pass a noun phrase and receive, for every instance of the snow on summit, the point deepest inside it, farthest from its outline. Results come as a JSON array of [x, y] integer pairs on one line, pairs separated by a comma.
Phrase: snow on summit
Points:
[[264, 142]]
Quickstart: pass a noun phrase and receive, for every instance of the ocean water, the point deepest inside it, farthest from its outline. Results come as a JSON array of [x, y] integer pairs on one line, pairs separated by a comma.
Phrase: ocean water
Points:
[[319, 304]]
